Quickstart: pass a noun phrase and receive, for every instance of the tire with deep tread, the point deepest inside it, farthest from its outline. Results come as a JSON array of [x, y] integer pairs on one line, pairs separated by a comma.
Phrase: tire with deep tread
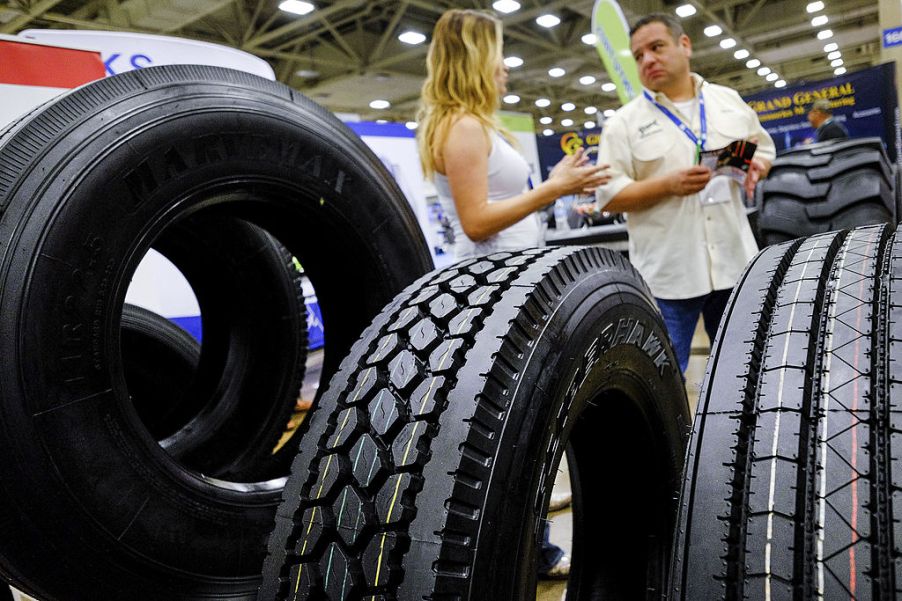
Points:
[[792, 481], [428, 465], [824, 187], [91, 506]]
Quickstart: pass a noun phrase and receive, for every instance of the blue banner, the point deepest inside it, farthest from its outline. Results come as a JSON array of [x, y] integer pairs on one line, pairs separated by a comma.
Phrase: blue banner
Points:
[[863, 101]]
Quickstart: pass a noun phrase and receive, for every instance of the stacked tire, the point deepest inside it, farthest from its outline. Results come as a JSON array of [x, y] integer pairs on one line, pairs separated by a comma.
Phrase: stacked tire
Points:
[[191, 161], [825, 187], [793, 487]]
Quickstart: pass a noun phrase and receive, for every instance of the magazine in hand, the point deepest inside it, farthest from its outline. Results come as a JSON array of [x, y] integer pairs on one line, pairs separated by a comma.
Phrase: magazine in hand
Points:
[[732, 160]]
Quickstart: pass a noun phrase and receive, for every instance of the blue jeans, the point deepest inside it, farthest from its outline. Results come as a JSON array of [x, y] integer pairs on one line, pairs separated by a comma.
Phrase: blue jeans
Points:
[[681, 316]]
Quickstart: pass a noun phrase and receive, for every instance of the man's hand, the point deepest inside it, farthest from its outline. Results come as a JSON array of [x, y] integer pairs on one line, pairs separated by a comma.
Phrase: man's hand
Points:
[[758, 169], [689, 181]]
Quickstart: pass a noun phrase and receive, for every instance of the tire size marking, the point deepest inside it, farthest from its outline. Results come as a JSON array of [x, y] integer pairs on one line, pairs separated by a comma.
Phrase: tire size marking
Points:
[[79, 322]]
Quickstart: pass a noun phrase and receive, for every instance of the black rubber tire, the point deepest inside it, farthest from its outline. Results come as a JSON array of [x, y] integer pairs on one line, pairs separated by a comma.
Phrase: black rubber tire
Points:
[[160, 360], [792, 481], [254, 321], [825, 187], [91, 506], [429, 462]]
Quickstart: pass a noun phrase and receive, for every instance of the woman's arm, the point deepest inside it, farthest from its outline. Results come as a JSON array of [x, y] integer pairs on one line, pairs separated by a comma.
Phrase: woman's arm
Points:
[[465, 156]]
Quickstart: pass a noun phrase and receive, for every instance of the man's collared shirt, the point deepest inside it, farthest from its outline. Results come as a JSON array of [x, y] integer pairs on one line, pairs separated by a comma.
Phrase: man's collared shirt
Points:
[[683, 247]]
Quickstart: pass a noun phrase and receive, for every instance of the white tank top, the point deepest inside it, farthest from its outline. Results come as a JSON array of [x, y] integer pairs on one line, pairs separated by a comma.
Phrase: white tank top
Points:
[[508, 176]]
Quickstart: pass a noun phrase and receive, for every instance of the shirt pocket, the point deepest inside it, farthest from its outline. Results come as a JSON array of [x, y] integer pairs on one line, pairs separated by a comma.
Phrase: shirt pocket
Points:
[[653, 155], [728, 126]]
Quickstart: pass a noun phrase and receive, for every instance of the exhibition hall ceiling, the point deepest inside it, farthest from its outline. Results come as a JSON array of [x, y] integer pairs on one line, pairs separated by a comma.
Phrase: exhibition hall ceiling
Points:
[[347, 53]]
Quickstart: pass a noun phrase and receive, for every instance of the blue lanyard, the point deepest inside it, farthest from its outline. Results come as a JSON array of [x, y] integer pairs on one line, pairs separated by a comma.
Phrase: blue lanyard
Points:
[[699, 143]]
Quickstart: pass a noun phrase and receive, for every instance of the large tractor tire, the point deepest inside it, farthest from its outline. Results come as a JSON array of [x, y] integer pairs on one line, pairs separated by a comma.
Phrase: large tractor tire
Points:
[[428, 465], [792, 487], [825, 187], [92, 506]]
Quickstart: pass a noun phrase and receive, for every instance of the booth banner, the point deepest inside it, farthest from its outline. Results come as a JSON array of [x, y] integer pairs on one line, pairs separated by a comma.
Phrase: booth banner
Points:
[[125, 51], [32, 73], [613, 45], [864, 102], [553, 148]]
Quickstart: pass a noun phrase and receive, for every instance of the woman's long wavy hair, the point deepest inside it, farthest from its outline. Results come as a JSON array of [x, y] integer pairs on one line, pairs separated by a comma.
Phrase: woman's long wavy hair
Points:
[[463, 57]]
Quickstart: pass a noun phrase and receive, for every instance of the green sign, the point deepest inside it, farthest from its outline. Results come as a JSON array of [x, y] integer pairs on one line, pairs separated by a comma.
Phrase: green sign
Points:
[[613, 45]]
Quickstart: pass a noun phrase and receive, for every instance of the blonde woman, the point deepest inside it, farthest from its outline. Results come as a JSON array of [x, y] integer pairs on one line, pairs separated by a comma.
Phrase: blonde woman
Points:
[[481, 179]]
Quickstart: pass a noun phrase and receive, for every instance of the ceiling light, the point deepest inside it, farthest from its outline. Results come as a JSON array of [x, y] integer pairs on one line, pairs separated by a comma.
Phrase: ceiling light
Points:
[[741, 54], [590, 110], [780, 83], [411, 125], [686, 10], [824, 34], [307, 73], [545, 120], [513, 61], [753, 63], [763, 71], [381, 121], [412, 37], [506, 6], [772, 77], [548, 132], [589, 125], [587, 80], [819, 20], [713, 30], [727, 43], [837, 63], [813, 7], [840, 71], [566, 122], [609, 113], [380, 104], [548, 21], [296, 6], [556, 72], [608, 87], [834, 55], [511, 99], [543, 102], [567, 107], [590, 39], [831, 47]]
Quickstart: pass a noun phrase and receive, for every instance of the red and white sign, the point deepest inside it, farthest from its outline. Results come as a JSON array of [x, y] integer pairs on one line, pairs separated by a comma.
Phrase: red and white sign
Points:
[[32, 73]]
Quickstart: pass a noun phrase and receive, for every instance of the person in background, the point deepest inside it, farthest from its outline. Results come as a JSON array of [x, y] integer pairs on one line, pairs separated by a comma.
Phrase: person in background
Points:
[[820, 116], [481, 179], [689, 236]]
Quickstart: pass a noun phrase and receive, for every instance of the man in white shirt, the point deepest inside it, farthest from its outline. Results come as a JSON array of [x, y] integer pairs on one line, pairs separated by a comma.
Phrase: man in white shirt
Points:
[[689, 236]]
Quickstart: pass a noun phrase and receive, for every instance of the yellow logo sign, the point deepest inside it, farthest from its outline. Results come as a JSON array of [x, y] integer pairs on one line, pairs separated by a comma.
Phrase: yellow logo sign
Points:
[[571, 142]]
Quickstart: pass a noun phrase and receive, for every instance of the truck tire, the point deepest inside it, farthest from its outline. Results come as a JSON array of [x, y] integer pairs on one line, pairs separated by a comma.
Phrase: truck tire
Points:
[[792, 480], [160, 360], [428, 465], [91, 506], [253, 313], [825, 187]]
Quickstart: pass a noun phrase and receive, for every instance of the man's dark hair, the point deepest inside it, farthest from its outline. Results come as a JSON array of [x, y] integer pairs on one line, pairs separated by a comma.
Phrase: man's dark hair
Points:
[[671, 23]]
